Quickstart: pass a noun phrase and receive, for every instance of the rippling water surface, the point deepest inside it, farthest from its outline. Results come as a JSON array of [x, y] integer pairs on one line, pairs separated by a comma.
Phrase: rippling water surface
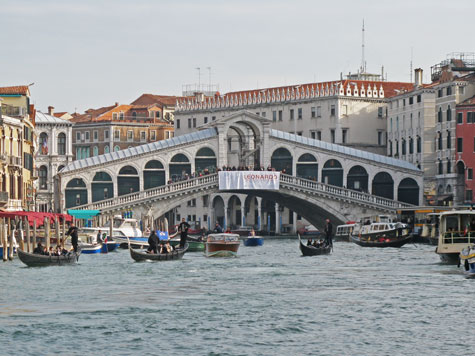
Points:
[[268, 301]]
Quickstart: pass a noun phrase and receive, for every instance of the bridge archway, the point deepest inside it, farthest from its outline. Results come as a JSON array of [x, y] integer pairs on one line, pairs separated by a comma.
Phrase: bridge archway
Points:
[[219, 211], [153, 174], [251, 211], [281, 160], [383, 185], [179, 166], [408, 191], [102, 186], [128, 180], [235, 204], [205, 159], [307, 167], [357, 179], [332, 173], [76, 193]]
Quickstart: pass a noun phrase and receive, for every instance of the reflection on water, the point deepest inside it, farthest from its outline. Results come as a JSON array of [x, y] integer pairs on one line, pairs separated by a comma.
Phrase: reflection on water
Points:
[[269, 301]]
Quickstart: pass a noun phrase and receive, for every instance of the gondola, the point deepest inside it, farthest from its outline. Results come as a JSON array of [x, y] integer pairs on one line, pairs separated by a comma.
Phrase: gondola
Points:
[[140, 256], [312, 250], [390, 242], [36, 260]]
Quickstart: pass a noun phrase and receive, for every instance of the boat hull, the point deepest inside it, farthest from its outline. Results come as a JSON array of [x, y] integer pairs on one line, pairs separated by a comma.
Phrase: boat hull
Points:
[[91, 250], [253, 241], [141, 256], [221, 249], [34, 260], [313, 251], [193, 246], [399, 242]]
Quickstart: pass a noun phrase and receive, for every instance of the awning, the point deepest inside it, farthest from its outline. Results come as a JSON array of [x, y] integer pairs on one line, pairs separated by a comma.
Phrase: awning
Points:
[[32, 216], [83, 214]]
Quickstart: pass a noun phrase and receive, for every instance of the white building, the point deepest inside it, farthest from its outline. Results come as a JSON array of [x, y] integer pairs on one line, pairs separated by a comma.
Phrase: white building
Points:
[[54, 152]]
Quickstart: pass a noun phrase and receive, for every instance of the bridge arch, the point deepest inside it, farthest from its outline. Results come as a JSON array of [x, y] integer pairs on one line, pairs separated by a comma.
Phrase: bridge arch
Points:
[[219, 210], [235, 204], [332, 173], [179, 166], [102, 186], [383, 185], [205, 159], [408, 191], [76, 193], [357, 179], [128, 180], [282, 160], [153, 174], [307, 166]]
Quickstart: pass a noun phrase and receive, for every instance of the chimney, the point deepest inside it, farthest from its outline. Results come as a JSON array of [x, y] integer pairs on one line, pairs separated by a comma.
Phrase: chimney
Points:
[[418, 77], [51, 110]]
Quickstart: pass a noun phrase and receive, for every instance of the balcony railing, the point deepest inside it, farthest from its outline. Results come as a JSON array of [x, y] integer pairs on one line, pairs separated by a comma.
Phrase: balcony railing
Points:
[[14, 205], [14, 161]]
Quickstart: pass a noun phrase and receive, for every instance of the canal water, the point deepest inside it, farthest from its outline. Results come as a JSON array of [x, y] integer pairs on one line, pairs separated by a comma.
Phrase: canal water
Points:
[[268, 301]]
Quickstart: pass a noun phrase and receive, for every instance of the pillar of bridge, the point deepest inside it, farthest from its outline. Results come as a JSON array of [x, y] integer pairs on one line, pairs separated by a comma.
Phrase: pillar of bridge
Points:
[[277, 219]]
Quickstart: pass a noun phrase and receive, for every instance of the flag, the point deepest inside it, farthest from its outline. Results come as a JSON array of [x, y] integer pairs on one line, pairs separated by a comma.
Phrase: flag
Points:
[[465, 232]]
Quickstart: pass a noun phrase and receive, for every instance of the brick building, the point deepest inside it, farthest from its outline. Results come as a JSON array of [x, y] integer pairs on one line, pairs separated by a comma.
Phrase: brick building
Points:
[[465, 147]]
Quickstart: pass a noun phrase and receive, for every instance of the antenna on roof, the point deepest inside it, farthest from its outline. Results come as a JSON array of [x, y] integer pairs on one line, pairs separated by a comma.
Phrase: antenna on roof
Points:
[[363, 62]]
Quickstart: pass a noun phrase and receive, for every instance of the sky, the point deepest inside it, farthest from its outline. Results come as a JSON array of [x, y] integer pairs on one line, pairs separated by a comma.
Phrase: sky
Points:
[[93, 53]]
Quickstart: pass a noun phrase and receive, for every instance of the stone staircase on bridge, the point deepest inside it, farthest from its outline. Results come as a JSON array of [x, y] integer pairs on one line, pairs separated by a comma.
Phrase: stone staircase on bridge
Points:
[[209, 184]]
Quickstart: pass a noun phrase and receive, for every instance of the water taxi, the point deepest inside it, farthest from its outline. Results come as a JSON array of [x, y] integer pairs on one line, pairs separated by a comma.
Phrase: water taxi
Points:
[[456, 232], [383, 234], [343, 232], [222, 245]]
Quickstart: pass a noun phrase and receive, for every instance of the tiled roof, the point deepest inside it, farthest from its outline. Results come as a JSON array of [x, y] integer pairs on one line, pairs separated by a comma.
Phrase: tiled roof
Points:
[[42, 118], [344, 150], [148, 99], [147, 148], [19, 89], [59, 114], [467, 102]]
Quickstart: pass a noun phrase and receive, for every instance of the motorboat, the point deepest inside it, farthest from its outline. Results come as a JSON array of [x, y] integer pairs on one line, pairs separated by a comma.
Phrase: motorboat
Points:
[[253, 241], [222, 245], [382, 234], [343, 232], [456, 232]]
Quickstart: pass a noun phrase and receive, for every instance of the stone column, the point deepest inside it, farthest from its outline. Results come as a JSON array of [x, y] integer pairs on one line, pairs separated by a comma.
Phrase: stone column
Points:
[[277, 219], [225, 220], [243, 216], [259, 214], [294, 225]]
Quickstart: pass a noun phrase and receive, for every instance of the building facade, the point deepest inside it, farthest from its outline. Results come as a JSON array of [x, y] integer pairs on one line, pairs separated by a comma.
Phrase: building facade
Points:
[[54, 143], [16, 149]]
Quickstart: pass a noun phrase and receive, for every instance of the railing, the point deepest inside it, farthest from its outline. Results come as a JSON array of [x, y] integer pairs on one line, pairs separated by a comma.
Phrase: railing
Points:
[[14, 161], [14, 205], [209, 181], [459, 237]]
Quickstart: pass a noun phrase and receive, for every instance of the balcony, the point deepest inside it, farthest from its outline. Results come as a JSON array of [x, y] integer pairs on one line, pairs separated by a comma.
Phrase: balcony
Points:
[[3, 197], [13, 111], [14, 161], [14, 205]]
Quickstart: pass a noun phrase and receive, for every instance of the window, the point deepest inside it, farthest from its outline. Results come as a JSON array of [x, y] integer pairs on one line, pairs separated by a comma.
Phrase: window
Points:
[[449, 114], [419, 144], [280, 115], [440, 168], [332, 110], [344, 133], [468, 195], [380, 138], [390, 144], [439, 140], [95, 135], [263, 114], [130, 135], [291, 114], [449, 140], [78, 136], [449, 91], [106, 135], [397, 148], [313, 111], [380, 112], [299, 133], [213, 118], [403, 102], [313, 134], [205, 120], [411, 145], [411, 100], [88, 136], [117, 135], [121, 116], [274, 116], [449, 167], [189, 123], [116, 148], [95, 151], [157, 114], [319, 111], [134, 114], [143, 136], [403, 148], [114, 116], [194, 122], [459, 144], [43, 177], [469, 173], [178, 123], [470, 117], [419, 98], [332, 135], [106, 149], [153, 135], [439, 115], [459, 118], [299, 113], [61, 144], [439, 93]]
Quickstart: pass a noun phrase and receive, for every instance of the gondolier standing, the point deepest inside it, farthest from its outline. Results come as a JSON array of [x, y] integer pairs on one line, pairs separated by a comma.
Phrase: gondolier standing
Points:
[[73, 232], [183, 228], [329, 233]]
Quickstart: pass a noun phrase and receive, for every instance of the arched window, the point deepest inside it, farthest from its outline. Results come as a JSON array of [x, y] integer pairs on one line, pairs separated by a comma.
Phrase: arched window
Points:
[[128, 180], [153, 174], [95, 151], [281, 160], [61, 144], [449, 113], [332, 173], [179, 167], [43, 143], [116, 148], [43, 177], [439, 115], [307, 167], [383, 185], [102, 186], [205, 160], [106, 149]]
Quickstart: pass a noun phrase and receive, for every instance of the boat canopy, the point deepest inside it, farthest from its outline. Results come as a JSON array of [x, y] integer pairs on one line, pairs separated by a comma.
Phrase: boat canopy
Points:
[[83, 214], [32, 216]]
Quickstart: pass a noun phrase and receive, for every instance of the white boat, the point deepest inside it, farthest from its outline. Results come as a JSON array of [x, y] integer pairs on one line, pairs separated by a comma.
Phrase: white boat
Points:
[[122, 229], [456, 232], [343, 232]]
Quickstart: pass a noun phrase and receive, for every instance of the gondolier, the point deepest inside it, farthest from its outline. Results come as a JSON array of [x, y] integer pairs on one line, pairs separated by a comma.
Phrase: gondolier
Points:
[[329, 233], [73, 232], [183, 228]]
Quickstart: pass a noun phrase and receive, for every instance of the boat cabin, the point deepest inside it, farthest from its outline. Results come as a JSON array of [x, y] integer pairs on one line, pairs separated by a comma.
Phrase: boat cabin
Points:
[[345, 230], [457, 227], [223, 237]]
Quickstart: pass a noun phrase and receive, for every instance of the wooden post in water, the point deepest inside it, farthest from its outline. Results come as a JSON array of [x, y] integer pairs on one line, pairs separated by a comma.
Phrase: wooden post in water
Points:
[[64, 232], [27, 232], [3, 235], [10, 242], [34, 233], [56, 227], [111, 225], [21, 235], [165, 224], [47, 231]]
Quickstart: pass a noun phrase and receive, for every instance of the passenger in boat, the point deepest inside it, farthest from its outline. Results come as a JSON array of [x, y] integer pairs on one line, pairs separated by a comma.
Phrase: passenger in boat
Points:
[[218, 229], [228, 230], [183, 228], [309, 242], [329, 233], [252, 233], [153, 243], [99, 238], [73, 232], [39, 249]]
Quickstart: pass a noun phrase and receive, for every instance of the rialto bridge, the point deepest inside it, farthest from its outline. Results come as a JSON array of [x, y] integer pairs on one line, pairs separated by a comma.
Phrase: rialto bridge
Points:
[[318, 179]]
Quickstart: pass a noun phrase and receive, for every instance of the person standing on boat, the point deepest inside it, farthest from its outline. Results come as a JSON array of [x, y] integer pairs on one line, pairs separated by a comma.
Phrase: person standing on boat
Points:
[[73, 232], [99, 238], [329, 233], [218, 229], [183, 228], [153, 242]]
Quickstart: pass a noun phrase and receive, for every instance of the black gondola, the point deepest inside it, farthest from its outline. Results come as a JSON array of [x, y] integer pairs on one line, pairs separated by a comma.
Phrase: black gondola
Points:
[[312, 250], [140, 256], [393, 242], [36, 260]]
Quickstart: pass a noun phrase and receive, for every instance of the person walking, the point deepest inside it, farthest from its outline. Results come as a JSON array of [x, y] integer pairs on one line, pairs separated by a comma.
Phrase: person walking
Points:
[[183, 228], [329, 233]]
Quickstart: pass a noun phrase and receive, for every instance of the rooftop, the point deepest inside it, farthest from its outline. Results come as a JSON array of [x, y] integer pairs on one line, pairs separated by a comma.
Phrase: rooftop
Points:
[[15, 90], [42, 118]]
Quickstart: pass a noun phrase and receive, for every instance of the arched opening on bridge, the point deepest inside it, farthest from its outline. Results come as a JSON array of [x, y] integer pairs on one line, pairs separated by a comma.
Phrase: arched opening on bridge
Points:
[[408, 191], [357, 179], [243, 140], [102, 186], [234, 208], [128, 180], [153, 174], [251, 212], [383, 185], [281, 160], [180, 166], [205, 160], [268, 215], [218, 207], [307, 167], [76, 193], [332, 173]]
